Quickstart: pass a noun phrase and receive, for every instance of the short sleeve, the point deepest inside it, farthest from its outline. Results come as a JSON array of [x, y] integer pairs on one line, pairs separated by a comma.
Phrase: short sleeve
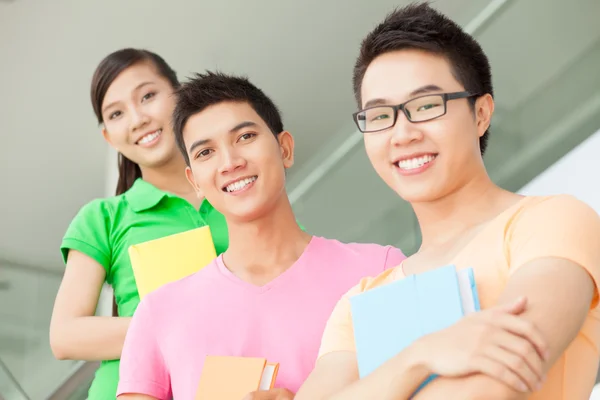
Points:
[[394, 258], [218, 226], [559, 226], [143, 369], [89, 233], [339, 333]]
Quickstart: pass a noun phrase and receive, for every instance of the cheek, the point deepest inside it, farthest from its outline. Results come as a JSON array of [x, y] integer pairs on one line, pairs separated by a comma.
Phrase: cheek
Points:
[[203, 176], [163, 109], [116, 133], [377, 148]]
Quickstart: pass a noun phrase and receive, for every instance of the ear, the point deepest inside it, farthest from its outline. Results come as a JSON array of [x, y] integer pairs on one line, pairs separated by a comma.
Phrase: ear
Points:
[[190, 177], [106, 136], [286, 144], [484, 109]]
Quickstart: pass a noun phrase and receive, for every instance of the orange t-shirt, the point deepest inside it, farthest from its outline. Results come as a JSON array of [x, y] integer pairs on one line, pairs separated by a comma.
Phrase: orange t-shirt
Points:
[[553, 226]]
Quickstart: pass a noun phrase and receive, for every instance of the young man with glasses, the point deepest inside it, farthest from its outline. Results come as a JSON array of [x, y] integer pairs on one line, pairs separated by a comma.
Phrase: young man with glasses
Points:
[[270, 294], [425, 95]]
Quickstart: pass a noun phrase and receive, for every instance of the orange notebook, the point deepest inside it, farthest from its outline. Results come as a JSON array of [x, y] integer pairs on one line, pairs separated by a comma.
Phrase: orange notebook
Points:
[[232, 378]]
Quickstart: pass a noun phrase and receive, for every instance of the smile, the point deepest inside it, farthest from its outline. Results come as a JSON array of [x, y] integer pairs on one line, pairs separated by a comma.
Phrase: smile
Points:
[[239, 185], [150, 137], [414, 163]]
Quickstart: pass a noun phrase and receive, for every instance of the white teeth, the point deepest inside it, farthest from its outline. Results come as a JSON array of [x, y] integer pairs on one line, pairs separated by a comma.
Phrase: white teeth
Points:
[[239, 185], [414, 163], [150, 137]]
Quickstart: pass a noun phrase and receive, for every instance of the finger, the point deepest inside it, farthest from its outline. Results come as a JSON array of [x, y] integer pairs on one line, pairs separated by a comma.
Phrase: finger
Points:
[[521, 348], [494, 369], [516, 365], [524, 328], [515, 307]]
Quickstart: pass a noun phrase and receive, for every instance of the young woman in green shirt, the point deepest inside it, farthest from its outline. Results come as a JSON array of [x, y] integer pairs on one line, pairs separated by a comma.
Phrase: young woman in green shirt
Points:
[[132, 97]]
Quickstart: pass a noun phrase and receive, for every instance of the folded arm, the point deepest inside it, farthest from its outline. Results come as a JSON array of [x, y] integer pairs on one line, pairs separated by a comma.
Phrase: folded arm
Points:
[[335, 377], [554, 260], [547, 283]]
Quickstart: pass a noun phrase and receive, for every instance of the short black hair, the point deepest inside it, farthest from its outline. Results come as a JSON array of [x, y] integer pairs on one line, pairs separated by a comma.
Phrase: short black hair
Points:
[[419, 26], [210, 88]]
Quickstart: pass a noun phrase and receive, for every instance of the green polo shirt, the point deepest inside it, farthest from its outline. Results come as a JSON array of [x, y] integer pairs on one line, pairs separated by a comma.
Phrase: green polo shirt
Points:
[[105, 228]]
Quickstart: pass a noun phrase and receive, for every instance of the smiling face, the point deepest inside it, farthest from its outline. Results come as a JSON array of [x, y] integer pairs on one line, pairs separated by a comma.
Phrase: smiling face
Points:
[[137, 112], [423, 161], [235, 160]]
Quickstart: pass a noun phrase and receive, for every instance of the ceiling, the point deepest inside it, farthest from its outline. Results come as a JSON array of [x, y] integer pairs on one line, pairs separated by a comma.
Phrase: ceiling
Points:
[[53, 159]]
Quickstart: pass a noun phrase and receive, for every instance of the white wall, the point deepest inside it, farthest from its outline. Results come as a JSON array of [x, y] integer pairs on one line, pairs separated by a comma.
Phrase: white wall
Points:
[[576, 174]]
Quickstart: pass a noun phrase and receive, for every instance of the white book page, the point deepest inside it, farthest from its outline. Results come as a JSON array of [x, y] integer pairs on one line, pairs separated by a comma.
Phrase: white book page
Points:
[[466, 293], [267, 377]]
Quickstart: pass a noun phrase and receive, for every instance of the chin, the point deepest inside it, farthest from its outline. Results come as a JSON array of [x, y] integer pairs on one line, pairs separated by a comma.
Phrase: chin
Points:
[[248, 213], [157, 159], [419, 195]]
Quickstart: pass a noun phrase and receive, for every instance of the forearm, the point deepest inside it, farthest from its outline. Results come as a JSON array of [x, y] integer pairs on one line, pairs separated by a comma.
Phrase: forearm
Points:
[[475, 387], [89, 338], [397, 379]]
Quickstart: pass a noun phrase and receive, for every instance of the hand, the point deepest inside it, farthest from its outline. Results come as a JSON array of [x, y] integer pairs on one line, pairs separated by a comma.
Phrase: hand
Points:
[[494, 342], [272, 394]]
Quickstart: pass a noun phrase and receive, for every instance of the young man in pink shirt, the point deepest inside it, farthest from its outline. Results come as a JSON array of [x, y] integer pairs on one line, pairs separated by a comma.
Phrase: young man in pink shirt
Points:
[[270, 294]]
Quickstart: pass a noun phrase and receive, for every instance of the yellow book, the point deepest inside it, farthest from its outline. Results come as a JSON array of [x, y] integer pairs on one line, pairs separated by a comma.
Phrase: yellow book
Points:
[[232, 378], [170, 258]]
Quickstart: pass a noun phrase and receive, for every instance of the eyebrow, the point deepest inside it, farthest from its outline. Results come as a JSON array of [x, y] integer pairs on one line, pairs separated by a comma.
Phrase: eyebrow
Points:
[[138, 87], [238, 127], [422, 90]]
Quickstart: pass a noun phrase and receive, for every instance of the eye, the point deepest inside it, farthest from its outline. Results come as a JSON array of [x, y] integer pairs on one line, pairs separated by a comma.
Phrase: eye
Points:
[[114, 115], [427, 107], [148, 96], [380, 117], [203, 153], [246, 136]]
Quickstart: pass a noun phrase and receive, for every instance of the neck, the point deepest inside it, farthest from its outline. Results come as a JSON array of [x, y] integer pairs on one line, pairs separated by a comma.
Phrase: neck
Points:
[[170, 177], [265, 246], [468, 206]]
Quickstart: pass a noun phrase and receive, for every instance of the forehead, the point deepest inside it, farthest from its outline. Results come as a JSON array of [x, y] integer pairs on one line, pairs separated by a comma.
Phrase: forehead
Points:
[[126, 82], [394, 75], [219, 119]]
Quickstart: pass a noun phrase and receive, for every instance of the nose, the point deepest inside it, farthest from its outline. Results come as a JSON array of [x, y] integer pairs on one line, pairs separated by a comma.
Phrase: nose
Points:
[[231, 161], [139, 119], [405, 132]]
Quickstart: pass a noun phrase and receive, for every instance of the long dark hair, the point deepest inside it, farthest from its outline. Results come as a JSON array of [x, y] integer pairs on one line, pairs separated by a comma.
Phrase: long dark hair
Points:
[[106, 72]]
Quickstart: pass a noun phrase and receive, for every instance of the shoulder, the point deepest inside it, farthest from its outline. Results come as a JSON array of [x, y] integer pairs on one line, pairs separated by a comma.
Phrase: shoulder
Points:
[[353, 249], [549, 209], [561, 227], [560, 216], [94, 218], [101, 208], [369, 257]]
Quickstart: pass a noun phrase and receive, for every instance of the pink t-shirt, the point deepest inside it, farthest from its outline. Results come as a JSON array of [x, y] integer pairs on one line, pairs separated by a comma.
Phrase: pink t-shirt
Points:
[[215, 313]]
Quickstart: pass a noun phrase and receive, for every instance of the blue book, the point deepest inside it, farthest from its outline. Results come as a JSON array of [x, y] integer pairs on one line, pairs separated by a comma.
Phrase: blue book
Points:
[[389, 318]]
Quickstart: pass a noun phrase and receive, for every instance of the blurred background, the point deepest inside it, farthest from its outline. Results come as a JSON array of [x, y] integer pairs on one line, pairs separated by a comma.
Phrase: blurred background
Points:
[[545, 56]]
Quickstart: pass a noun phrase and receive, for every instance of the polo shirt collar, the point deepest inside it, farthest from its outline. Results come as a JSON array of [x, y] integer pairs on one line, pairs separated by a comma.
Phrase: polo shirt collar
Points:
[[143, 196]]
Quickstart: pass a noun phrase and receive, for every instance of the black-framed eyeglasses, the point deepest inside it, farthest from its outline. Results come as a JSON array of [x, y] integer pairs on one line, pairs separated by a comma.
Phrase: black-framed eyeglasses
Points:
[[420, 109]]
